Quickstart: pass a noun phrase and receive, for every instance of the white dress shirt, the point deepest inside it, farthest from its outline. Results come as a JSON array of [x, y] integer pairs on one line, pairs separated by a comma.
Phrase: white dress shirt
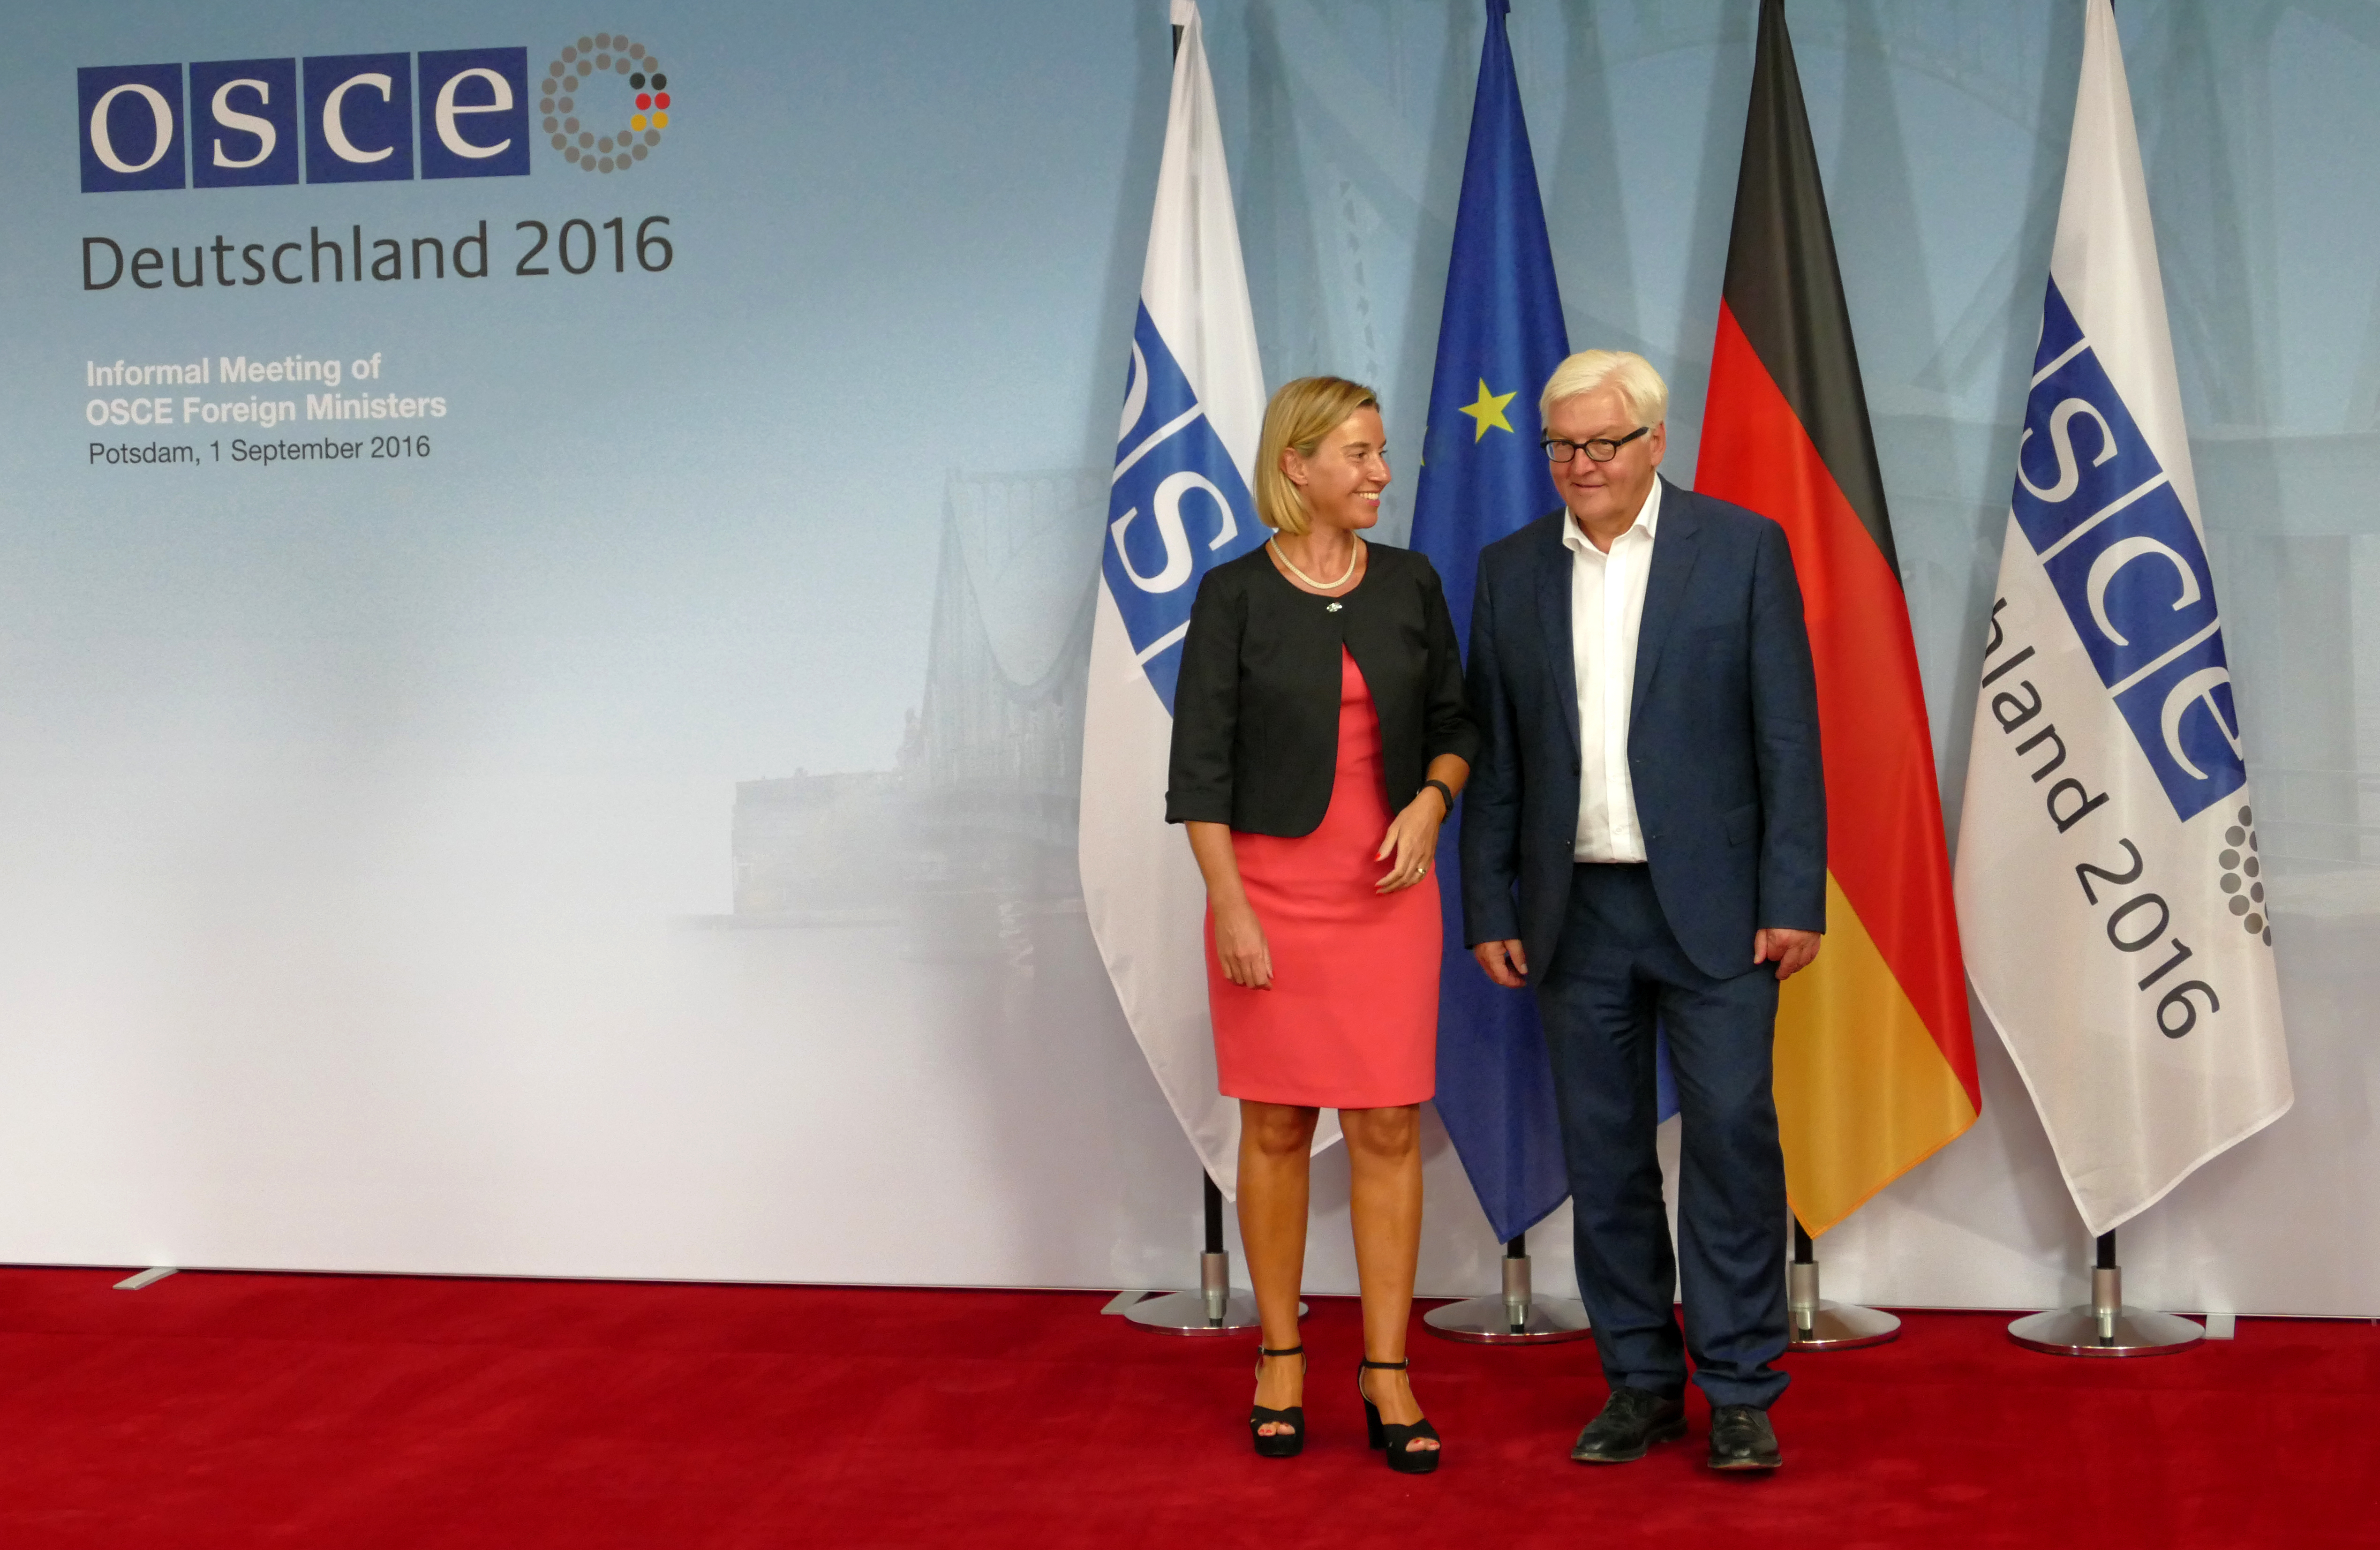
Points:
[[1607, 604]]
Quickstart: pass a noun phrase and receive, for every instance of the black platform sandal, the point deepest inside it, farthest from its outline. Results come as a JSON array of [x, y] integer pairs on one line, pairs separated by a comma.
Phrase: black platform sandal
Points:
[[1397, 1439], [1278, 1445]]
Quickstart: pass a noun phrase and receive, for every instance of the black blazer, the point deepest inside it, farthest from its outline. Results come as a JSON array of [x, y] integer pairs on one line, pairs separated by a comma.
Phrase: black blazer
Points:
[[1256, 711]]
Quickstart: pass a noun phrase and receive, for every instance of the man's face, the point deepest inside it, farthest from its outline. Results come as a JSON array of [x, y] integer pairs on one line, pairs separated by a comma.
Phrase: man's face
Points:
[[1606, 497]]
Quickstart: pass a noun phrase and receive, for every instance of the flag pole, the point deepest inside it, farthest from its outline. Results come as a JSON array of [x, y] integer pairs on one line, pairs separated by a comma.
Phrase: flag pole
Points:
[[2131, 1104], [1786, 433], [1513, 1316], [2103, 1327], [1818, 1325], [1483, 477], [1194, 343], [1214, 1308]]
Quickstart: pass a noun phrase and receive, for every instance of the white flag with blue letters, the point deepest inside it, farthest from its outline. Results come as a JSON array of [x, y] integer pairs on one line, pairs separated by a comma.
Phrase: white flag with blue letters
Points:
[[1179, 506], [2110, 879]]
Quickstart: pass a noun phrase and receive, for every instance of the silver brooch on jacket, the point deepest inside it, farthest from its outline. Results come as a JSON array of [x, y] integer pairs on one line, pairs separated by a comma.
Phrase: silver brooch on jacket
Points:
[[1330, 608]]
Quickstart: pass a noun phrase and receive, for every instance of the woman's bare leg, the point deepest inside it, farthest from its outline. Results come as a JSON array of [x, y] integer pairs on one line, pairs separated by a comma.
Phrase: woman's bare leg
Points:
[[1384, 1160], [1275, 1154]]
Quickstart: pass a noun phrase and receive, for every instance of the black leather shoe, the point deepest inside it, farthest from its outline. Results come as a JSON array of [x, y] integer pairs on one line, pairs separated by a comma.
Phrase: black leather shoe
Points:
[[1741, 1438], [1632, 1421]]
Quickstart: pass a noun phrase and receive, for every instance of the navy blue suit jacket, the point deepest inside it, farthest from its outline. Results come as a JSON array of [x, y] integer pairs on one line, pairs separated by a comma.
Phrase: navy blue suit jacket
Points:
[[1722, 738]]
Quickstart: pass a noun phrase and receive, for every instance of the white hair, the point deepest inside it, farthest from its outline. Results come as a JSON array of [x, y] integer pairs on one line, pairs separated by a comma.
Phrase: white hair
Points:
[[1640, 386]]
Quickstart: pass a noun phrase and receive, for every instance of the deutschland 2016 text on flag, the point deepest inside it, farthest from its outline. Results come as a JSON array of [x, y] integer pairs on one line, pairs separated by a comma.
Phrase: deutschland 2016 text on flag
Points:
[[1178, 506], [2111, 886], [1875, 1061], [1483, 476]]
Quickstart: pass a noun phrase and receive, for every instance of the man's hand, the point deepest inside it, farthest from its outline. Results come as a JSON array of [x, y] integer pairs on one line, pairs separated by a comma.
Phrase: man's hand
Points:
[[1504, 963], [1791, 950]]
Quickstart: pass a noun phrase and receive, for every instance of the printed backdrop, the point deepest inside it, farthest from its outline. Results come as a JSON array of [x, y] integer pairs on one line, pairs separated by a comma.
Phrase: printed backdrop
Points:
[[591, 789]]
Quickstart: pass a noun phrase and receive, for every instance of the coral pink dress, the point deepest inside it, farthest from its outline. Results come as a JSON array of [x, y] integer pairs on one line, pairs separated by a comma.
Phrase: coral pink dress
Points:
[[1351, 1020]]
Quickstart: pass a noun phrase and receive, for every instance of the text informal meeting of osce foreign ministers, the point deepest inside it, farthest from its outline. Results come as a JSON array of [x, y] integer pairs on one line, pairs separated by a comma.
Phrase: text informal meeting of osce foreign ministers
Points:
[[1139, 772]]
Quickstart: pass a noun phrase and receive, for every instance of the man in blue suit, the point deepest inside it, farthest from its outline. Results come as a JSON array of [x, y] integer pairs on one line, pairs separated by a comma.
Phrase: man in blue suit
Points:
[[1645, 841]]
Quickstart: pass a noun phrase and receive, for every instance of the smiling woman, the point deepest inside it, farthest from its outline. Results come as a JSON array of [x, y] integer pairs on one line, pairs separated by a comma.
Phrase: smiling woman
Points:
[[1295, 470], [1320, 738]]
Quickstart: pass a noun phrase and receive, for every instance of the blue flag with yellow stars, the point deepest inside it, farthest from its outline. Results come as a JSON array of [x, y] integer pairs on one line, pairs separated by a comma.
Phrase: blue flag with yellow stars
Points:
[[1483, 476]]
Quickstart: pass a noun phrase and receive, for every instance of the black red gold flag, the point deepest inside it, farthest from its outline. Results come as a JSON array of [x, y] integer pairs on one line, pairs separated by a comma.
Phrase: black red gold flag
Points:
[[1875, 1063]]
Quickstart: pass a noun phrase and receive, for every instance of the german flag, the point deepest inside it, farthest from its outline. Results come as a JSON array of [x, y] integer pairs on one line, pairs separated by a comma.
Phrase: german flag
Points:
[[1875, 1061]]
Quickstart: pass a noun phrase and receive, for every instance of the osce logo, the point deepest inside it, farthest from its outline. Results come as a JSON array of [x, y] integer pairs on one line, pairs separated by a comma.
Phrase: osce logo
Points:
[[2101, 512], [1174, 507], [348, 117]]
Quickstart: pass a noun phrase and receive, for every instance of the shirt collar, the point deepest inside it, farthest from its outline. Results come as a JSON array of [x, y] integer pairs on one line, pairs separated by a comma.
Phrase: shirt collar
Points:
[[1648, 520]]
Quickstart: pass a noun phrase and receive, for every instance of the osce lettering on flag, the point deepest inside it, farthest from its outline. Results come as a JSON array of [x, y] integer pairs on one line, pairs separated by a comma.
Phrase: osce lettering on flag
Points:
[[2111, 879], [1175, 511], [2125, 562], [1178, 506], [2102, 515]]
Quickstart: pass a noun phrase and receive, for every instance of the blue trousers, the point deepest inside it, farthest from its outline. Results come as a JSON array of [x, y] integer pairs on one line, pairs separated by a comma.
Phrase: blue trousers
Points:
[[1616, 970]]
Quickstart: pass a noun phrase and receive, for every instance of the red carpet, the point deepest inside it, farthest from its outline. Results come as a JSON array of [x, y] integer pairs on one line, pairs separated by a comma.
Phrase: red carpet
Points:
[[221, 1409]]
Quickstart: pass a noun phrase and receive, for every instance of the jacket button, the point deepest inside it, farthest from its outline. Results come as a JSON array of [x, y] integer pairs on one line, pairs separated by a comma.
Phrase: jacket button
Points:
[[1576, 767]]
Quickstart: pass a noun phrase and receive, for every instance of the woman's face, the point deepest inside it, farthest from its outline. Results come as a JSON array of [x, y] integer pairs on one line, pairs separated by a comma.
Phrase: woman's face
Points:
[[1341, 482]]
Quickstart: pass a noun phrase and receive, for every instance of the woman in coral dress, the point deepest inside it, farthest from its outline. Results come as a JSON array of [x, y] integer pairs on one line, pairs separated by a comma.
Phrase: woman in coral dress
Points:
[[1319, 739]]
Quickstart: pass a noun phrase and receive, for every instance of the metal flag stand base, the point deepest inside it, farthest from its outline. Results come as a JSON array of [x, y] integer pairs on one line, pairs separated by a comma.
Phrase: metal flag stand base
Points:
[[2103, 1327], [1516, 1316], [1818, 1325], [1214, 1308]]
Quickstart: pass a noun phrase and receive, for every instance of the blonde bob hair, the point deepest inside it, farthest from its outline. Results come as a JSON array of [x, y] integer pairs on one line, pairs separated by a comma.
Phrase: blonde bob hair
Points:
[[1640, 386], [1300, 415]]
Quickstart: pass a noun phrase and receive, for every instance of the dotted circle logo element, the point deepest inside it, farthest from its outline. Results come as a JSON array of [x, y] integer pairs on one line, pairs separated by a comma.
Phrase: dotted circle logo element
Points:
[[2242, 875], [577, 127]]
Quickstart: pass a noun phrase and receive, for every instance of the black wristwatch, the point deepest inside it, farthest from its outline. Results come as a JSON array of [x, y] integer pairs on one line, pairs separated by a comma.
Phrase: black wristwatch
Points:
[[1445, 792]]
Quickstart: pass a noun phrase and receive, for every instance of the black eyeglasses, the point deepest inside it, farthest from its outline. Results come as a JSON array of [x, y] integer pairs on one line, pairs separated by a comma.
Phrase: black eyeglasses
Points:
[[1601, 450]]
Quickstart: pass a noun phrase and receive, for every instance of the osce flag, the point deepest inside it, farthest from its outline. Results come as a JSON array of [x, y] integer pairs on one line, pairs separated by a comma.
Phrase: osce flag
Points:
[[2110, 886], [1483, 474], [1179, 505]]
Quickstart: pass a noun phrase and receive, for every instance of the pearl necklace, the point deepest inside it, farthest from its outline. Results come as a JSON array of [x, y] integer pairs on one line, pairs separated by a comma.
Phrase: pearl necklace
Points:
[[1354, 554]]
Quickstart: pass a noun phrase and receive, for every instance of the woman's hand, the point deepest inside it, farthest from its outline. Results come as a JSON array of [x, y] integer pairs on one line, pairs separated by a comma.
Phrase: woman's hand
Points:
[[1411, 841], [1240, 948]]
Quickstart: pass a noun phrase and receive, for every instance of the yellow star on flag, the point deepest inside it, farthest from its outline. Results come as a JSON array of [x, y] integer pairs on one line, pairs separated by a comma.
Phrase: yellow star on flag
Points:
[[1488, 411]]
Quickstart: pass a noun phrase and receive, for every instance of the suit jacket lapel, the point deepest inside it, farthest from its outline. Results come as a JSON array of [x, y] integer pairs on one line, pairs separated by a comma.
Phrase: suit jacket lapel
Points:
[[1553, 568], [1674, 548]]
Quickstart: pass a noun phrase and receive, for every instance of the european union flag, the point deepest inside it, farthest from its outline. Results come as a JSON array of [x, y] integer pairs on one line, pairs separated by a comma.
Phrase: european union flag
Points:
[[1483, 476]]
